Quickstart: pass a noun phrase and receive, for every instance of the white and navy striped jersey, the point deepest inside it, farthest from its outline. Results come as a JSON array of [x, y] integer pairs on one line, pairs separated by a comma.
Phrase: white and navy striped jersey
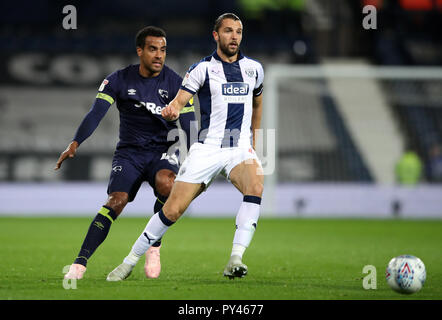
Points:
[[225, 92]]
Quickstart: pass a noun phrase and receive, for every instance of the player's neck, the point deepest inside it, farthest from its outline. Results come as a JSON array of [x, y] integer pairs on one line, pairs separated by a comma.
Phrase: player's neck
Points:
[[147, 73], [225, 58]]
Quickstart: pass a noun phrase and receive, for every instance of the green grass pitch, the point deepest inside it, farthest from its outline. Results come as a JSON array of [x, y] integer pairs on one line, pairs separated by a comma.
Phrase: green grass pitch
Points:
[[288, 259]]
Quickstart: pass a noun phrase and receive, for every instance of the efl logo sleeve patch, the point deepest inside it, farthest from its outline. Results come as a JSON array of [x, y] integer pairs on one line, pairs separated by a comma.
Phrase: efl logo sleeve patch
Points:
[[103, 84]]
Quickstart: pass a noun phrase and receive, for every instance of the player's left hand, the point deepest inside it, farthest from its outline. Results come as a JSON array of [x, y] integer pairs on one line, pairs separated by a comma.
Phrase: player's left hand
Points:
[[68, 153], [170, 113]]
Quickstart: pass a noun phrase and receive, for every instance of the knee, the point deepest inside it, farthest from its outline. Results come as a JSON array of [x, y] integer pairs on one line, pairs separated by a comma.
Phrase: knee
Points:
[[172, 211], [117, 201], [164, 181], [256, 188]]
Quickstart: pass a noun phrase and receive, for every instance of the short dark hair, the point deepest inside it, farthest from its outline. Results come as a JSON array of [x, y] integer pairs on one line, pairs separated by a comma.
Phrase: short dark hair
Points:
[[140, 39], [220, 19]]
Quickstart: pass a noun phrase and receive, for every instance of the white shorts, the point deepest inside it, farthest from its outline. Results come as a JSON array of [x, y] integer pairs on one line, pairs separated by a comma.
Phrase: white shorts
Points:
[[204, 162]]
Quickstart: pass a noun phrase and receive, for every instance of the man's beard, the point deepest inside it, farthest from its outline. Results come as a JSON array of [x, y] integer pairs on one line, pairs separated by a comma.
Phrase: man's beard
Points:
[[151, 68], [226, 51]]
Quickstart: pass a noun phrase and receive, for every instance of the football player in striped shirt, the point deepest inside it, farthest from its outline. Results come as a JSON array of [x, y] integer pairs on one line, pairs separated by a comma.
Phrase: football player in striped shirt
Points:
[[140, 92], [229, 87]]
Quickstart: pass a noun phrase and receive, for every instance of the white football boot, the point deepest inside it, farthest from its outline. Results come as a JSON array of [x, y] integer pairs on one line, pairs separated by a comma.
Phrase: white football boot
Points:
[[120, 273], [235, 268]]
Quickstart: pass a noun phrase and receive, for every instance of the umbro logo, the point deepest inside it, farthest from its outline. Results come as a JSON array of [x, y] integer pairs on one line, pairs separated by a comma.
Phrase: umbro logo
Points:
[[99, 225], [117, 168], [131, 92]]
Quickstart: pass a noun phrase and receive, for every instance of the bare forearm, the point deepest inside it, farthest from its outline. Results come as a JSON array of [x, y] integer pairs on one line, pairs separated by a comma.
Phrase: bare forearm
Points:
[[176, 105], [172, 110], [181, 99]]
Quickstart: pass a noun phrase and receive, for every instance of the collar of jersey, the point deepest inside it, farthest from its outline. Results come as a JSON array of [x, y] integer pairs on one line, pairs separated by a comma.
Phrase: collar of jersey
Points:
[[217, 57]]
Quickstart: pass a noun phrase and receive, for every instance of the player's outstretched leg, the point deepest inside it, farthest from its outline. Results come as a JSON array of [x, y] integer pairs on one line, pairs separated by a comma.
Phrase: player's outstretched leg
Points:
[[246, 221], [180, 197], [97, 232], [155, 229], [248, 179]]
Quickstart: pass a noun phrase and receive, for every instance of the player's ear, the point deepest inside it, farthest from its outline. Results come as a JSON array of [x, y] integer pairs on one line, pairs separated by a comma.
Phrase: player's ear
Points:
[[139, 51], [215, 36]]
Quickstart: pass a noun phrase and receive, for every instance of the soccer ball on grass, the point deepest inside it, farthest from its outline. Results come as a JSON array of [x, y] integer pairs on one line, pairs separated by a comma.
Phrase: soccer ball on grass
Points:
[[406, 274]]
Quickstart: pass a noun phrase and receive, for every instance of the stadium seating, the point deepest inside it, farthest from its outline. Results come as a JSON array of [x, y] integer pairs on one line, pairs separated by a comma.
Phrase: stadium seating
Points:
[[417, 106]]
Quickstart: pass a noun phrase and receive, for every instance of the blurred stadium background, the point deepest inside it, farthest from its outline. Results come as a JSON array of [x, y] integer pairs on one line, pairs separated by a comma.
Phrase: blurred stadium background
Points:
[[358, 113]]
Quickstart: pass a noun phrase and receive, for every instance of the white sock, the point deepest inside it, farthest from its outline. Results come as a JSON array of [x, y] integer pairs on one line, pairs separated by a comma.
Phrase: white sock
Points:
[[155, 229], [238, 250], [246, 221]]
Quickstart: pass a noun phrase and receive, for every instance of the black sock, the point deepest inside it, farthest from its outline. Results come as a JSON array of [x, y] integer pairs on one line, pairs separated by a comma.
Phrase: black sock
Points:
[[96, 234], [156, 208]]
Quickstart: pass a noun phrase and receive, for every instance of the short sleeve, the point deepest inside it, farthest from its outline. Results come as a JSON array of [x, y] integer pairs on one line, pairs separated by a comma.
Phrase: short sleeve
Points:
[[259, 81], [194, 78]]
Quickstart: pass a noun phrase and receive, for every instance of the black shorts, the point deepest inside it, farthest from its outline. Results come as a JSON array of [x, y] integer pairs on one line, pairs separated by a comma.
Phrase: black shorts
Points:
[[132, 166]]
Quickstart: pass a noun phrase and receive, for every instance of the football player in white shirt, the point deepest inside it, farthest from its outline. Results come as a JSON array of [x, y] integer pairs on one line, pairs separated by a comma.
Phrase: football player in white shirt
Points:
[[229, 86]]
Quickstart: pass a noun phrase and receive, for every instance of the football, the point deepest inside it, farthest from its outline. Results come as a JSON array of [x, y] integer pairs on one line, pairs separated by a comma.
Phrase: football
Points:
[[406, 274]]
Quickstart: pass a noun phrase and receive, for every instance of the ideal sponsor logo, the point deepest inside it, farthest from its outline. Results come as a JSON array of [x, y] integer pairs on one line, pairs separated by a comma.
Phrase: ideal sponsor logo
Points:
[[235, 92], [235, 89]]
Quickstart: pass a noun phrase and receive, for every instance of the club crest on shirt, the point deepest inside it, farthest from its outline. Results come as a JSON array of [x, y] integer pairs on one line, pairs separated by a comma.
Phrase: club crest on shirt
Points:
[[250, 73], [163, 93]]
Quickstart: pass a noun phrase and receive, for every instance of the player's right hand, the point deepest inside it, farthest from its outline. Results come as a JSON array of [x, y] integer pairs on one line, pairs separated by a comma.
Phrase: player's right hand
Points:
[[170, 113], [68, 153]]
